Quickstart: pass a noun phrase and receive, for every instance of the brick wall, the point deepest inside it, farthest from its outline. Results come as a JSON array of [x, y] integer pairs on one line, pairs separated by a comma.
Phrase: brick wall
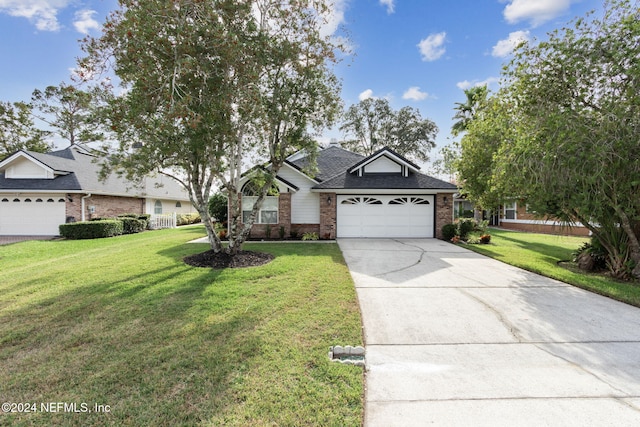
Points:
[[105, 206], [260, 231], [444, 211], [328, 216], [546, 229]]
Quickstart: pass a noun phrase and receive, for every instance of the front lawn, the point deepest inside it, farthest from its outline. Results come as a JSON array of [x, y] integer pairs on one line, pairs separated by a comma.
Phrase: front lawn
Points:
[[540, 253], [124, 323]]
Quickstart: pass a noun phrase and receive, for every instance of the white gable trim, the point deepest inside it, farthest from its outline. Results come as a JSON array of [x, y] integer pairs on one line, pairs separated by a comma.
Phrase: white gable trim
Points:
[[6, 165], [281, 181], [405, 167], [298, 171]]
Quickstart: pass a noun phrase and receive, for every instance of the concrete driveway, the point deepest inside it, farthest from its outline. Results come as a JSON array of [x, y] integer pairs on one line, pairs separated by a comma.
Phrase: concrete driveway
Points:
[[455, 338]]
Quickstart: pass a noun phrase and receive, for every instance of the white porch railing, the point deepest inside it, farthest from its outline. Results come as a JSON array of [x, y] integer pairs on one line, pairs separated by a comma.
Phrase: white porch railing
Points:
[[162, 221]]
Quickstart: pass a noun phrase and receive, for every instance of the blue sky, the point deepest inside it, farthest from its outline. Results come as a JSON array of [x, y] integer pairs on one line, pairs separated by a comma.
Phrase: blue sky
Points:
[[420, 53]]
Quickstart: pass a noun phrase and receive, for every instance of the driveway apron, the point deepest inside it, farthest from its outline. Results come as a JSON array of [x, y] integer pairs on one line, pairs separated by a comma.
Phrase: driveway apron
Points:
[[456, 338]]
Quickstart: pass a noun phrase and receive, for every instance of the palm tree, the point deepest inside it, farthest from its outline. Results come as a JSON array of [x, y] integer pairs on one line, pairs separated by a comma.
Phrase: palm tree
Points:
[[465, 112]]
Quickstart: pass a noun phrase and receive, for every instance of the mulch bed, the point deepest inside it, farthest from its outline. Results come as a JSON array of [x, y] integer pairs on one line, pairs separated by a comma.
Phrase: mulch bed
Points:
[[210, 259]]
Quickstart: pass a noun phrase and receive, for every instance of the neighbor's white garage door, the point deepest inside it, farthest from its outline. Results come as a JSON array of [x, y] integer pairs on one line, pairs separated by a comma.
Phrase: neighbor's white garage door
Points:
[[31, 215], [385, 216]]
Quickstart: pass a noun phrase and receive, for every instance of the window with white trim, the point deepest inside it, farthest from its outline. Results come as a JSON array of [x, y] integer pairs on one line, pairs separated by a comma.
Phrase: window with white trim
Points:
[[268, 213], [510, 210], [157, 207]]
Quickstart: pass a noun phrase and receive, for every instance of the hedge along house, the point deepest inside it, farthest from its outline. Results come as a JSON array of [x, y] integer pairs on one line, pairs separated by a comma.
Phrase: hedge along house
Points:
[[38, 192], [350, 195]]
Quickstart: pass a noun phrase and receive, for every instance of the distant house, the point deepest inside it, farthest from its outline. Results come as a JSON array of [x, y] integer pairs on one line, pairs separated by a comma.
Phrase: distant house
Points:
[[38, 192], [515, 215], [350, 195]]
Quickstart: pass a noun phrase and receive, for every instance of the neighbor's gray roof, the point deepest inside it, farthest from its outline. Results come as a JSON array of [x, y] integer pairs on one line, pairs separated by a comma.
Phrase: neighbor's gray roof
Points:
[[334, 163], [82, 176]]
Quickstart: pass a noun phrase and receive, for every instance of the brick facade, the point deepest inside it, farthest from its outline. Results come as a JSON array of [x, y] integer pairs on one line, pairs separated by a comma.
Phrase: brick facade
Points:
[[105, 206], [444, 211], [328, 215], [328, 218], [536, 225]]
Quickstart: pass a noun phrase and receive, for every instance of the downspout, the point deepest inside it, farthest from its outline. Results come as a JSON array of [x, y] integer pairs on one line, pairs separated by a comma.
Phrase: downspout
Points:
[[82, 205]]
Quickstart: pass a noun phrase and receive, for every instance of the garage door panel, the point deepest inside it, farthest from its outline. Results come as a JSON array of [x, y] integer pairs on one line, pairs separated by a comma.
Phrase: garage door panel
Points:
[[385, 216], [36, 215]]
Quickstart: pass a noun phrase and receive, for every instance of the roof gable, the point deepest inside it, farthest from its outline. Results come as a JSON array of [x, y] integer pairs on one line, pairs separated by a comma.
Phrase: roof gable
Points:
[[383, 161], [75, 169], [25, 165]]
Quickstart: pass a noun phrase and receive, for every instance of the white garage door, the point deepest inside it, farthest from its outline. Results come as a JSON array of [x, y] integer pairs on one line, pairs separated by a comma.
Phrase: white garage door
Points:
[[31, 215], [385, 216]]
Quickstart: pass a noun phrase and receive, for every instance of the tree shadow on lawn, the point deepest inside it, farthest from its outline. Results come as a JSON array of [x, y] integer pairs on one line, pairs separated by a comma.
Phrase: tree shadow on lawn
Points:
[[552, 253], [162, 347]]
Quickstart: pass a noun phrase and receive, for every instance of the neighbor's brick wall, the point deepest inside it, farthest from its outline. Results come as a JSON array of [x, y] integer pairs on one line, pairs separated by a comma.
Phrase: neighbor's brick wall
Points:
[[106, 206], [328, 214], [444, 211], [546, 229]]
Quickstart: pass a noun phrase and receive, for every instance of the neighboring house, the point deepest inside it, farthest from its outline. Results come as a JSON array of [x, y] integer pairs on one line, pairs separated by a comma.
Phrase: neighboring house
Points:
[[38, 192], [350, 195], [515, 215]]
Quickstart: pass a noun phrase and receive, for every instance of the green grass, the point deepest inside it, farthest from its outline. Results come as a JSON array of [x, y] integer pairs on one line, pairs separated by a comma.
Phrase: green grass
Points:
[[124, 322], [540, 253]]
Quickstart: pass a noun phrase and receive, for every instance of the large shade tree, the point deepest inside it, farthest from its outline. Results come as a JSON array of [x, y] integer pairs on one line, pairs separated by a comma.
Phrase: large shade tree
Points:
[[372, 124], [18, 130], [573, 111], [207, 83], [72, 112]]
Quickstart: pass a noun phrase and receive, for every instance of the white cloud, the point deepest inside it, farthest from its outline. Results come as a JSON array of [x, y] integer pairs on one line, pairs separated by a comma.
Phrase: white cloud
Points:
[[431, 47], [333, 18], [414, 94], [466, 84], [365, 95], [505, 47], [84, 21], [390, 5], [43, 13], [536, 11]]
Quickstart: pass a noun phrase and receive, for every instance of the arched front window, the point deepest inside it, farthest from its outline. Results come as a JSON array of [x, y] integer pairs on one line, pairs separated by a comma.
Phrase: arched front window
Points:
[[268, 213], [157, 207]]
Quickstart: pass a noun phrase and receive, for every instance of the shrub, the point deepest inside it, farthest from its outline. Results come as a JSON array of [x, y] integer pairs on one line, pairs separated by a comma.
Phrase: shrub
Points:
[[218, 207], [91, 229], [281, 232], [310, 236], [294, 234], [188, 218], [591, 256], [448, 231], [465, 226], [131, 225], [485, 239], [222, 234]]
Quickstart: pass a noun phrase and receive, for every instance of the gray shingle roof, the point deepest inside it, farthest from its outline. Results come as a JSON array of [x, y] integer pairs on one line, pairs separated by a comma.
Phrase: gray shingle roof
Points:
[[82, 175], [415, 181], [334, 163], [331, 161]]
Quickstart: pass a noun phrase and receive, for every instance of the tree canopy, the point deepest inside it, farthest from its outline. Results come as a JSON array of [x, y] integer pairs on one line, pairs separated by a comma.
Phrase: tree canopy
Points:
[[466, 111], [208, 83], [563, 134], [71, 112], [372, 124], [18, 131]]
